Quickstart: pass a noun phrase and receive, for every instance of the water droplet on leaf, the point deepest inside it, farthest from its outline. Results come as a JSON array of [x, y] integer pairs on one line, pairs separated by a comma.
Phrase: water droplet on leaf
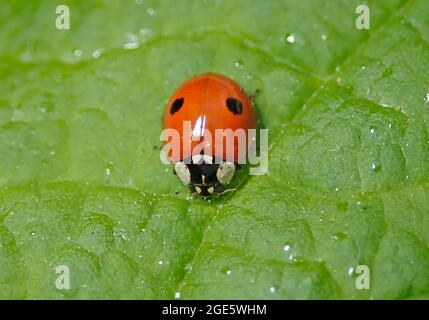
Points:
[[290, 38], [77, 52], [152, 12], [427, 98], [97, 53], [376, 167]]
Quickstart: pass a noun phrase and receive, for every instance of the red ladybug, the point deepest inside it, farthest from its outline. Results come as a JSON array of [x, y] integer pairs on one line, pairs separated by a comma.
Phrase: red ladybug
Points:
[[209, 102]]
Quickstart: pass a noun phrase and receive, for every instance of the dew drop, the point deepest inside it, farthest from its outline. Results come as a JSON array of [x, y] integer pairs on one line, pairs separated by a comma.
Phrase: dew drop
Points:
[[97, 53], [351, 271], [286, 248], [376, 167], [273, 289], [239, 63], [372, 130], [324, 37], [290, 38], [341, 235], [226, 270], [152, 12], [188, 268], [177, 295], [78, 52], [427, 98], [133, 42], [120, 234], [160, 262]]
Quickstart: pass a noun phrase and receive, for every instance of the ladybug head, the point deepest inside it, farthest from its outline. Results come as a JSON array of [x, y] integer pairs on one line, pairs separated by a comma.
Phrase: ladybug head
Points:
[[203, 175]]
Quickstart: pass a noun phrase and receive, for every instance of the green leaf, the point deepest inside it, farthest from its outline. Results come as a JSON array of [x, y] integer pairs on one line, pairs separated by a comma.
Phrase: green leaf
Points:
[[81, 183]]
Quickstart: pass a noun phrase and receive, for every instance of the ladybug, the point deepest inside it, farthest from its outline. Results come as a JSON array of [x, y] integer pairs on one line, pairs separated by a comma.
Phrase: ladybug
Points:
[[208, 102]]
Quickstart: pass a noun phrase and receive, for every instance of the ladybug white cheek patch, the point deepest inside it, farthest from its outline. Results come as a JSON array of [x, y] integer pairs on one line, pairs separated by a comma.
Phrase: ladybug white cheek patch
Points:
[[225, 172], [183, 172]]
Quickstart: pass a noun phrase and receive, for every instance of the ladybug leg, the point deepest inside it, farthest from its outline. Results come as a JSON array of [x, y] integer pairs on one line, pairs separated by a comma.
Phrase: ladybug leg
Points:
[[255, 94], [226, 191], [194, 194]]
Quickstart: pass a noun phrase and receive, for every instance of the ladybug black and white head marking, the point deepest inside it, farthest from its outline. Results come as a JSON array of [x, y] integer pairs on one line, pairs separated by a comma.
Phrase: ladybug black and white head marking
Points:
[[204, 176], [225, 172], [183, 172]]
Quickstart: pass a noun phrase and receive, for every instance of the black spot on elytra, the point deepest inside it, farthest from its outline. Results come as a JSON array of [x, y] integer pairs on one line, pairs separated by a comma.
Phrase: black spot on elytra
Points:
[[234, 105], [177, 105]]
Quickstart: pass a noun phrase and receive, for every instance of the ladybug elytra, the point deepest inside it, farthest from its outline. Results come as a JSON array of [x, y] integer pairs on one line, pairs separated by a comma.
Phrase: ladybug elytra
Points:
[[208, 103]]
